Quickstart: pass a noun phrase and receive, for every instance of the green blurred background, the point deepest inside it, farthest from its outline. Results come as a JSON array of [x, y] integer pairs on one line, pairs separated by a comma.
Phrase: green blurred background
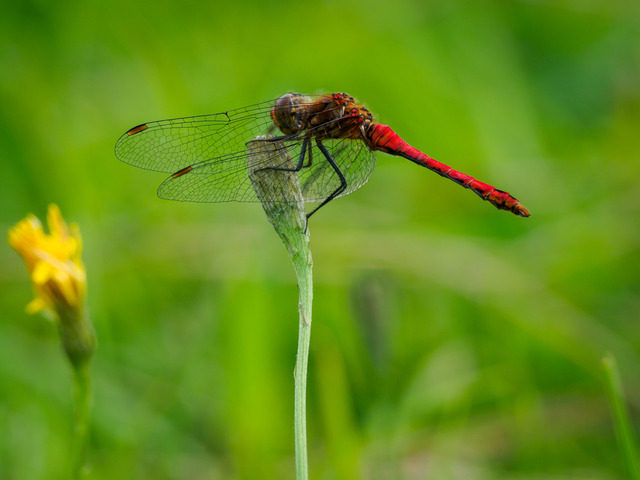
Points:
[[450, 340]]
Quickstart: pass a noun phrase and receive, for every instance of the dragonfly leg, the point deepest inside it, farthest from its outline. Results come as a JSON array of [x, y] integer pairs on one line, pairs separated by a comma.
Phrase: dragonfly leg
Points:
[[337, 191], [310, 162], [300, 163]]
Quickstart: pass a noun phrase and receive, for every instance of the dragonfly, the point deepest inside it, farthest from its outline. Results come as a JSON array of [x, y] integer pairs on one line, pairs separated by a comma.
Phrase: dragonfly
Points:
[[331, 138]]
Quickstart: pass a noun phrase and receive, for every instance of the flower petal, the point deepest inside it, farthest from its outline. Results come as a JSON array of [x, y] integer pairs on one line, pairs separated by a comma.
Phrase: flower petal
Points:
[[36, 305], [42, 272], [53, 261]]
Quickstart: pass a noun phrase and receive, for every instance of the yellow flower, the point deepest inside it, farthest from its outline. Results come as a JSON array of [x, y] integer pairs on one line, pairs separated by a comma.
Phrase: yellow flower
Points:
[[53, 262]]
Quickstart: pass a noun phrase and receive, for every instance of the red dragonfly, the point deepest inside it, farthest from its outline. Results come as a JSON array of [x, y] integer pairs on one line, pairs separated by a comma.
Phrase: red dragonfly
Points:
[[332, 137]]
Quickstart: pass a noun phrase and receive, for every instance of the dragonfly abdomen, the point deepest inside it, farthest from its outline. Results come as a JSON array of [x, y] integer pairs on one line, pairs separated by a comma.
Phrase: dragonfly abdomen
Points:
[[383, 138]]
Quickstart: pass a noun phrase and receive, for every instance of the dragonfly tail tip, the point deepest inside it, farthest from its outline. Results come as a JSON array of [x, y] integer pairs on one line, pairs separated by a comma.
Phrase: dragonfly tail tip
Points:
[[523, 212]]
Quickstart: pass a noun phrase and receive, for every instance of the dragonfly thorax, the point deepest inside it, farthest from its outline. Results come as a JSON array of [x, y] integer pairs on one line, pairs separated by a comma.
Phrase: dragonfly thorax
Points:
[[329, 116]]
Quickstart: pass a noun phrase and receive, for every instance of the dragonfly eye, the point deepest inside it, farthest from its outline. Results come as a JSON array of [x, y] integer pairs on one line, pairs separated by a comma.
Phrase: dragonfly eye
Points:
[[287, 114]]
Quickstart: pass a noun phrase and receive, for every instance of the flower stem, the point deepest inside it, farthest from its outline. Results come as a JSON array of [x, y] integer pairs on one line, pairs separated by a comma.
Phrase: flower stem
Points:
[[78, 341], [282, 200], [305, 286], [82, 414]]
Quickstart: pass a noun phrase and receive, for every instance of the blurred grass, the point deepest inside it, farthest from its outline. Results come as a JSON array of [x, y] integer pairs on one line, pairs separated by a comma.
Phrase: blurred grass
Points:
[[624, 430], [450, 340]]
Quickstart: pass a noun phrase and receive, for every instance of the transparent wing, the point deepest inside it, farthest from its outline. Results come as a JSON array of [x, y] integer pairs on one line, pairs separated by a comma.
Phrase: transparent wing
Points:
[[355, 161], [207, 155], [226, 178], [170, 145]]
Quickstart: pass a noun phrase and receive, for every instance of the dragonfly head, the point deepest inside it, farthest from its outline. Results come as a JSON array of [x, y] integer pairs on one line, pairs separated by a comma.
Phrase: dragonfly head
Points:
[[289, 113]]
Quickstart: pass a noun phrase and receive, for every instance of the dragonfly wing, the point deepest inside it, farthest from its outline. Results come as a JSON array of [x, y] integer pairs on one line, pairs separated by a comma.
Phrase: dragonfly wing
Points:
[[207, 155], [355, 161], [170, 145], [226, 178]]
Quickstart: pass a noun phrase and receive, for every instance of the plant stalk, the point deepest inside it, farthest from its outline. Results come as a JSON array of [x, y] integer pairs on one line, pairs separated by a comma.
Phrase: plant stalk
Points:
[[305, 287], [82, 415], [622, 422], [282, 200], [78, 341]]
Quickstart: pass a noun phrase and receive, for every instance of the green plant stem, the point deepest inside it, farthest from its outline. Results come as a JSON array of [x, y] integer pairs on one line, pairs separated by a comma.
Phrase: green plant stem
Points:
[[623, 427], [82, 414], [305, 285], [280, 195], [78, 342]]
